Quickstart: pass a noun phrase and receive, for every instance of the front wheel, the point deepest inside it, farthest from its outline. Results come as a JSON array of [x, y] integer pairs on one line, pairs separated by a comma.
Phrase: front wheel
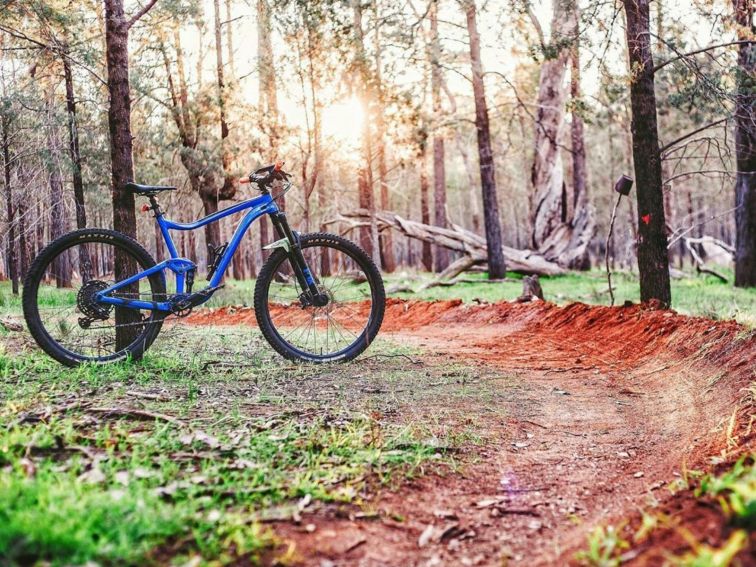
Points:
[[339, 330]]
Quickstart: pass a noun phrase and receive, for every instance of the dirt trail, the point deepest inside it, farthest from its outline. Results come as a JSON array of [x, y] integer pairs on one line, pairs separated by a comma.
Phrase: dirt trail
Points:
[[609, 404]]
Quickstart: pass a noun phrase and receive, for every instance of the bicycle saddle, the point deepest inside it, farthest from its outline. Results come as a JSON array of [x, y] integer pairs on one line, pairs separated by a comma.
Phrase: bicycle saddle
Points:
[[147, 190]]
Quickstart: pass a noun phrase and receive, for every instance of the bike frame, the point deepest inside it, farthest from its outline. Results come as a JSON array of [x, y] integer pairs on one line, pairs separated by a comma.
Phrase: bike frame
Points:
[[257, 207]]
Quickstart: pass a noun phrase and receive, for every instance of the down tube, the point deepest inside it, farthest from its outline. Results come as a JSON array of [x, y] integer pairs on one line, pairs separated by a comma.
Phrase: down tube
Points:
[[241, 230]]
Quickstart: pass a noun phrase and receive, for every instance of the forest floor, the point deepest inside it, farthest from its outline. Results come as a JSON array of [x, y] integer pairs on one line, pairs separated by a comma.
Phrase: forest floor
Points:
[[470, 434]]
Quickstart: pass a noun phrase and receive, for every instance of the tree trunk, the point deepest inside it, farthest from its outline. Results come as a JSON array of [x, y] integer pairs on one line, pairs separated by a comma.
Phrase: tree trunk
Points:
[[653, 260], [471, 182], [547, 175], [57, 201], [230, 41], [496, 265], [9, 209], [745, 144], [581, 212], [369, 239], [267, 100], [388, 257], [121, 161], [23, 245], [221, 186], [225, 155], [571, 233], [439, 166], [73, 147], [427, 253]]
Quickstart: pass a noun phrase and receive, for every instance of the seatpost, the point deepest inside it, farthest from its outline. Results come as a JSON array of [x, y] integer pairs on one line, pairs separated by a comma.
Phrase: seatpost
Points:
[[155, 206]]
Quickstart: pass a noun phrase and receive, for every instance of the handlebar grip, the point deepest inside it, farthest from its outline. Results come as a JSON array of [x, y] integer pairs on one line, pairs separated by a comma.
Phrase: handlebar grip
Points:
[[244, 180]]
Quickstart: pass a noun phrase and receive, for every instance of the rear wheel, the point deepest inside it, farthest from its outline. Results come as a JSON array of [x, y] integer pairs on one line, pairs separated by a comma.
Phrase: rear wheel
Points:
[[61, 309], [339, 330]]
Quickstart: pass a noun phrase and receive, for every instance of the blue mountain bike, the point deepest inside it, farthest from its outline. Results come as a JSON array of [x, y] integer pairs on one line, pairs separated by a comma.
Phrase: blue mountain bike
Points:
[[96, 295]]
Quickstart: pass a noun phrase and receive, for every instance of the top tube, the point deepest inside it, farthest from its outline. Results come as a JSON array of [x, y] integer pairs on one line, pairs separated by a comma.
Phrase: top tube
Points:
[[265, 199], [258, 206]]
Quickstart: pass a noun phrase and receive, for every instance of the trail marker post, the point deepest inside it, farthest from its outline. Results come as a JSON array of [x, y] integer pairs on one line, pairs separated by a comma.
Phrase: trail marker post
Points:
[[622, 186]]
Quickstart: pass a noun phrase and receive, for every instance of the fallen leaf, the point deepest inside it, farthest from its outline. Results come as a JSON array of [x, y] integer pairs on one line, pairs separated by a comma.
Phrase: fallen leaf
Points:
[[92, 476], [426, 536], [122, 478]]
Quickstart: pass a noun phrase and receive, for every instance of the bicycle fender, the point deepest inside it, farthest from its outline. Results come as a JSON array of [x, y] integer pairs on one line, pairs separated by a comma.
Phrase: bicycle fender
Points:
[[283, 243]]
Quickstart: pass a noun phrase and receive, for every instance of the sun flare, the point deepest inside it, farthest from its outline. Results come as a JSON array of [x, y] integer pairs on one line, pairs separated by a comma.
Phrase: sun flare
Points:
[[343, 121]]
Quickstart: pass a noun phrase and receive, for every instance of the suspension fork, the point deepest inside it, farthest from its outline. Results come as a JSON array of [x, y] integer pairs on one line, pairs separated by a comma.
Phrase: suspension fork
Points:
[[298, 262]]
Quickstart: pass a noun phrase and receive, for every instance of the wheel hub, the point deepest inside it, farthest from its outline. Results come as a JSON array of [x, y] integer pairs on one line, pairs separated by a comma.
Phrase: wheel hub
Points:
[[320, 299]]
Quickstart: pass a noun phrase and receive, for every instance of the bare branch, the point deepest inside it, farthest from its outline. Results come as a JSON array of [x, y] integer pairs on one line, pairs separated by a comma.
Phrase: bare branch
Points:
[[703, 172], [697, 51], [692, 133], [536, 24], [702, 223], [55, 49], [146, 8]]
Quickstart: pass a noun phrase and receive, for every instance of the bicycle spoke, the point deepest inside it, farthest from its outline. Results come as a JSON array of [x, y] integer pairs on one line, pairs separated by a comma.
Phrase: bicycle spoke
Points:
[[69, 310], [321, 330]]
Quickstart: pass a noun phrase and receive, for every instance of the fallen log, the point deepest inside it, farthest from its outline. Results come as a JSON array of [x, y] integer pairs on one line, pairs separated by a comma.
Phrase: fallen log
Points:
[[470, 245]]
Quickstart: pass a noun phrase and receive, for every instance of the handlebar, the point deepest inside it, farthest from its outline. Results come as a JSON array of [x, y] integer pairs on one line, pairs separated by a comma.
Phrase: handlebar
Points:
[[266, 175]]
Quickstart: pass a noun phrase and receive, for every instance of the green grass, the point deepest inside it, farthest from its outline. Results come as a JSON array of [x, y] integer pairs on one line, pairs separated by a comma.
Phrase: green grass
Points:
[[735, 490], [696, 295], [692, 295], [249, 437], [605, 545]]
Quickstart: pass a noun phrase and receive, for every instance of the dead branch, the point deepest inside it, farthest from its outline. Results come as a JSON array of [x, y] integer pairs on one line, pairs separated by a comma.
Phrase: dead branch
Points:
[[700, 266], [472, 246], [134, 413]]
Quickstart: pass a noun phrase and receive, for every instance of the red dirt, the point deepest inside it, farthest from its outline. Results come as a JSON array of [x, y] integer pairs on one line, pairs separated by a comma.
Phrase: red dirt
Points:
[[609, 404]]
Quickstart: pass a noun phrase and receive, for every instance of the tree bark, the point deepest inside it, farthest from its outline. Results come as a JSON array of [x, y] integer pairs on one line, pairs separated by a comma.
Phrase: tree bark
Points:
[[581, 212], [23, 245], [219, 186], [388, 257], [441, 255], [121, 160], [73, 146], [496, 264], [547, 175], [267, 100], [119, 118], [653, 260], [57, 207], [426, 255], [745, 144], [11, 258], [369, 238], [573, 224]]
